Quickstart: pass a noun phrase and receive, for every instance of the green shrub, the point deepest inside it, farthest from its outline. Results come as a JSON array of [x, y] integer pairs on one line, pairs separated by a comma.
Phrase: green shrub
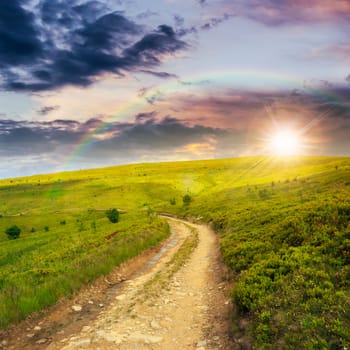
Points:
[[13, 232], [186, 199], [113, 215]]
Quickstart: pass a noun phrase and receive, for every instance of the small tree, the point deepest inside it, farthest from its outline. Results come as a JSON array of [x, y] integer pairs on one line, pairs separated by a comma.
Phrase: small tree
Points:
[[186, 199], [113, 215], [13, 232]]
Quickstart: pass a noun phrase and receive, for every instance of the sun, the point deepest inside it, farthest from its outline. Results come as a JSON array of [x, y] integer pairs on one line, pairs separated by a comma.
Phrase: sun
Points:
[[284, 142]]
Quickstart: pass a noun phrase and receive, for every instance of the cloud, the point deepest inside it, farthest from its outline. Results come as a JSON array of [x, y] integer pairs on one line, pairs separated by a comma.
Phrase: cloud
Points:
[[75, 43], [47, 109], [163, 75], [146, 132], [141, 117], [19, 37], [179, 20], [276, 13], [108, 142], [215, 21], [146, 14], [234, 123]]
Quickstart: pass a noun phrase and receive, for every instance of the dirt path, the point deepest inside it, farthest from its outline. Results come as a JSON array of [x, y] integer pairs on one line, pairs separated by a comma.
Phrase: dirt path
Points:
[[179, 302]]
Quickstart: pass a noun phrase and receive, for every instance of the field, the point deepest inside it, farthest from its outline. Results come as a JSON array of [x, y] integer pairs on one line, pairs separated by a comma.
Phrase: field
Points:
[[283, 223]]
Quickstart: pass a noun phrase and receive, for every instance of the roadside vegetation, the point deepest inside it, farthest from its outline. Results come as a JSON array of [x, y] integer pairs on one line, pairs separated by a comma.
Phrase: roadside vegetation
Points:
[[283, 223]]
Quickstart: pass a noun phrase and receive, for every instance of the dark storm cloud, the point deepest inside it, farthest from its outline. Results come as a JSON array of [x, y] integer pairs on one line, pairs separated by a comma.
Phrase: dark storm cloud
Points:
[[152, 136], [78, 43], [23, 138], [19, 37]]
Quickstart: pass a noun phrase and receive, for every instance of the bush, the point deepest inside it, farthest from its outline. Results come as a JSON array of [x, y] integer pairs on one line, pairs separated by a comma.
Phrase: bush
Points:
[[187, 199], [113, 215], [13, 232], [173, 201], [46, 228]]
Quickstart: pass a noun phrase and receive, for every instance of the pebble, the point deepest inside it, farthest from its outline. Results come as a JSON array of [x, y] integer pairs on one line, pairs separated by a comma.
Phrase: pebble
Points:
[[82, 342], [37, 328], [201, 343], [121, 297], [86, 329], [41, 341], [77, 308], [155, 325], [148, 339]]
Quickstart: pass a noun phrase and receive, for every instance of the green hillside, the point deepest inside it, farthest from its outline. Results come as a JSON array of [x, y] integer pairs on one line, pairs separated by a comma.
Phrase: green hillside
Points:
[[283, 223]]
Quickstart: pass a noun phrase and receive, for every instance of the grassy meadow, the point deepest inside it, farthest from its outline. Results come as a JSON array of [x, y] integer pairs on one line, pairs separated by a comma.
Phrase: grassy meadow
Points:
[[283, 223]]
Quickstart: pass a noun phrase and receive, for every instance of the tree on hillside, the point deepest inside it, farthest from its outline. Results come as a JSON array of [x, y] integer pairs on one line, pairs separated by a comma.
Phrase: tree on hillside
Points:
[[13, 232], [113, 215]]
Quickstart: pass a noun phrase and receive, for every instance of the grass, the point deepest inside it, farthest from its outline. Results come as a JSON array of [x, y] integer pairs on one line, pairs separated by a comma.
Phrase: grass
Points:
[[283, 223], [39, 268]]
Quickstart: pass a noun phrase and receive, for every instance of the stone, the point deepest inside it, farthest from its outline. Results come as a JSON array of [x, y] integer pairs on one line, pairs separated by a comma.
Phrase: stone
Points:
[[121, 297], [148, 339], [37, 328], [86, 329], [82, 342], [155, 325], [201, 344], [110, 337], [41, 341], [77, 308], [30, 335]]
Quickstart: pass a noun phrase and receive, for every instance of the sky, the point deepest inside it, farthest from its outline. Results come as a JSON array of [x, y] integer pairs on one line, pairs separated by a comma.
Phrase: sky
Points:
[[87, 84]]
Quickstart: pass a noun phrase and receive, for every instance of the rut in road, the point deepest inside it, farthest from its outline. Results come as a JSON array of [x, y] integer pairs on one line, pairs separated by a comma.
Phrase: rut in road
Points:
[[173, 305]]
